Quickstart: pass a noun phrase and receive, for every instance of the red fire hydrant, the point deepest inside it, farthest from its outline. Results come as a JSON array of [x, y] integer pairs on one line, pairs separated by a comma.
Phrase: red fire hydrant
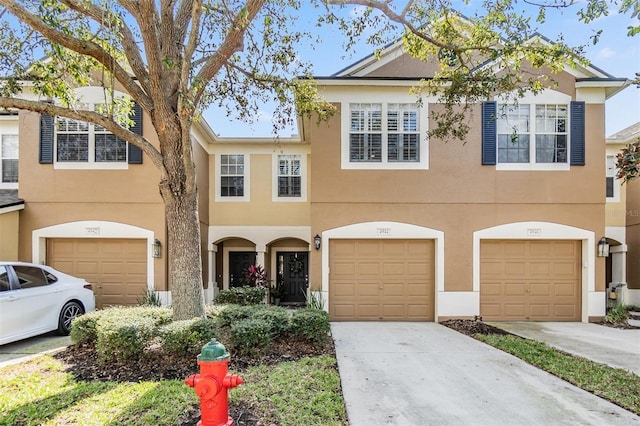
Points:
[[212, 383]]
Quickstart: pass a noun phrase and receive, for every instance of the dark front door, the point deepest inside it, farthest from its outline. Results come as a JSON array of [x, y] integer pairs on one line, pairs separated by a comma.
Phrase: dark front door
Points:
[[293, 275], [238, 262]]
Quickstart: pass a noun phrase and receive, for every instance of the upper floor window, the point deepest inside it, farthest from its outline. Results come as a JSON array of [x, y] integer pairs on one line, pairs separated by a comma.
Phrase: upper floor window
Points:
[[9, 157], [232, 176], [378, 137], [78, 141], [289, 176], [73, 144], [612, 187], [530, 133], [384, 136]]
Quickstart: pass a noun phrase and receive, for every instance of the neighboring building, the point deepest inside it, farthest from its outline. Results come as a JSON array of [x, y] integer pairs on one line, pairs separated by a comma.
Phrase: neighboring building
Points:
[[618, 214], [623, 223], [92, 204], [10, 203]]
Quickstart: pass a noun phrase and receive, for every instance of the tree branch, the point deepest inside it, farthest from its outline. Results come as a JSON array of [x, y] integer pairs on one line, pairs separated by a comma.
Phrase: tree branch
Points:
[[88, 116], [232, 43], [83, 47], [128, 41]]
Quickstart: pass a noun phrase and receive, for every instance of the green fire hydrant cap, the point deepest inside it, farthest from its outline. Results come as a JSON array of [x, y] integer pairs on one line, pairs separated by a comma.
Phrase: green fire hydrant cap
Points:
[[213, 351]]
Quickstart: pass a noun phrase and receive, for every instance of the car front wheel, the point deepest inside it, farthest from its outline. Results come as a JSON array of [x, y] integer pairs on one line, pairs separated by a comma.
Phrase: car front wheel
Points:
[[69, 311]]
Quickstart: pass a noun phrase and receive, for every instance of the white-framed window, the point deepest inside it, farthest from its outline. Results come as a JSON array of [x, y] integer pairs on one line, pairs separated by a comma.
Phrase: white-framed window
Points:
[[384, 135], [543, 139], [289, 182], [9, 160], [82, 145], [82, 142], [533, 135], [612, 186], [232, 177]]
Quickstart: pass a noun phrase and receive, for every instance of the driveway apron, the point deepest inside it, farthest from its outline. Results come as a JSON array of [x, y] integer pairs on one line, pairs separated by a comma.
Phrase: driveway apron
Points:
[[426, 374]]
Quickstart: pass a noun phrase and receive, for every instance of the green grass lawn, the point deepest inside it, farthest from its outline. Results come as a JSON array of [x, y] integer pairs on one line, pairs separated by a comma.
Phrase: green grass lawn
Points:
[[40, 392], [614, 384]]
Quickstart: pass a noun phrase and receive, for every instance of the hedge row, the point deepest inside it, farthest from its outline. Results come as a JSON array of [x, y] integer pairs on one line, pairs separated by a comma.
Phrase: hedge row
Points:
[[124, 333]]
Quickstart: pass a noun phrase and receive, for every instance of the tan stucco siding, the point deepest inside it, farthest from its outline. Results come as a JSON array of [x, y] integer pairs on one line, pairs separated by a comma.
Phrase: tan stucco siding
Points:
[[260, 209], [201, 160], [38, 215], [455, 174], [458, 222], [633, 234], [9, 226]]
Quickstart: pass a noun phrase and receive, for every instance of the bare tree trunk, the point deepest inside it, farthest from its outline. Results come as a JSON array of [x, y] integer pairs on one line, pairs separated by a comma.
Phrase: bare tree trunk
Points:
[[185, 269]]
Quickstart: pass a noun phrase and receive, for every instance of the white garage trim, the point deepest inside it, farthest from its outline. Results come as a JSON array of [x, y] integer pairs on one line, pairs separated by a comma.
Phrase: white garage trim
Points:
[[385, 230], [92, 229], [593, 302]]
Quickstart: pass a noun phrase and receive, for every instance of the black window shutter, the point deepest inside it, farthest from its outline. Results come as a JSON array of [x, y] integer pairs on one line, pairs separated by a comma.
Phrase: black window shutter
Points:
[[489, 135], [577, 133], [46, 138], [135, 153]]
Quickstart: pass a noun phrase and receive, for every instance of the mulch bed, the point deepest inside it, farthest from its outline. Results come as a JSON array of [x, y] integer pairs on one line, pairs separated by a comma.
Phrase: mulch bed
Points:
[[156, 365], [472, 327]]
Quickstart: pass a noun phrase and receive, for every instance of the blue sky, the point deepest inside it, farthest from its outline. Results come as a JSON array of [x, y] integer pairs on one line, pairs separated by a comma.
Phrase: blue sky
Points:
[[615, 53]]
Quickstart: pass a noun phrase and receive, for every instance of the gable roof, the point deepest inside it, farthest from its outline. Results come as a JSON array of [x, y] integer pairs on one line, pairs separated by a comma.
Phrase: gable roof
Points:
[[370, 67]]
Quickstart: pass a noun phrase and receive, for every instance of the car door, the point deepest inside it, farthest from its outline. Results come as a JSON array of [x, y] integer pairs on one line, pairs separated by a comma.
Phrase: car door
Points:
[[39, 298], [10, 306]]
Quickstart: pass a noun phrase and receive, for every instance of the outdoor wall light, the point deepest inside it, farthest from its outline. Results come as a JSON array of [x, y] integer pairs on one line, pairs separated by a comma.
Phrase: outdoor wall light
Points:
[[156, 248], [316, 241], [603, 247]]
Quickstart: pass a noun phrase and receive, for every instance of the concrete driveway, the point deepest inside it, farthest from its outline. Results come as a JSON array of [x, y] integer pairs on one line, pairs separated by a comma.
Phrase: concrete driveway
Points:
[[611, 346], [21, 350], [426, 374]]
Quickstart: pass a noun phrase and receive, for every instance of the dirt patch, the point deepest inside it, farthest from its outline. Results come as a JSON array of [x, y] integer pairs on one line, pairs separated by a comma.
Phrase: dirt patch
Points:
[[472, 327]]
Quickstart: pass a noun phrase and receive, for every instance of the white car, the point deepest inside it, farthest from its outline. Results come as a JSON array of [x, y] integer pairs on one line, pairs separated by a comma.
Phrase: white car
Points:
[[36, 299]]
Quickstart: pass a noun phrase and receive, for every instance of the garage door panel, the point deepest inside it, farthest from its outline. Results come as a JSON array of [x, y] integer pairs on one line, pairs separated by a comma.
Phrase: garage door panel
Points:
[[515, 269], [419, 289], [391, 279], [514, 289], [513, 310], [367, 289], [565, 289], [544, 284], [394, 289], [540, 289], [117, 268], [393, 269], [394, 249]]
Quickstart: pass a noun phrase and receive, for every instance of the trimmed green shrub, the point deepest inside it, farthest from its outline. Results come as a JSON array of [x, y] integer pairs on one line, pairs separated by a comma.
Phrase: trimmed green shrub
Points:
[[213, 311], [187, 337], [276, 317], [311, 324], [242, 295], [83, 328], [250, 336], [232, 314], [123, 332]]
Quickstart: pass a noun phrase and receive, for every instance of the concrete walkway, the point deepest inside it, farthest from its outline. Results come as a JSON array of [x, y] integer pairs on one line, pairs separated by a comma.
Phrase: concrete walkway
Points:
[[426, 374], [606, 345]]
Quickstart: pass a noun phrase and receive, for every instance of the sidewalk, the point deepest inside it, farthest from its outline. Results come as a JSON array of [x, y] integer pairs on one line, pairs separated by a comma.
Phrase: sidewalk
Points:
[[611, 346]]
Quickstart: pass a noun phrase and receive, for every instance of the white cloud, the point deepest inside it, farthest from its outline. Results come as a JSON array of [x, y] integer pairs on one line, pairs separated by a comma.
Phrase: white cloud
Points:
[[606, 53]]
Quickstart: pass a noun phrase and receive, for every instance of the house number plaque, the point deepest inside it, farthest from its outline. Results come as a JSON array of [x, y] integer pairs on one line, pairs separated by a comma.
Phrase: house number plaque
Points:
[[92, 231], [534, 232], [384, 231]]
